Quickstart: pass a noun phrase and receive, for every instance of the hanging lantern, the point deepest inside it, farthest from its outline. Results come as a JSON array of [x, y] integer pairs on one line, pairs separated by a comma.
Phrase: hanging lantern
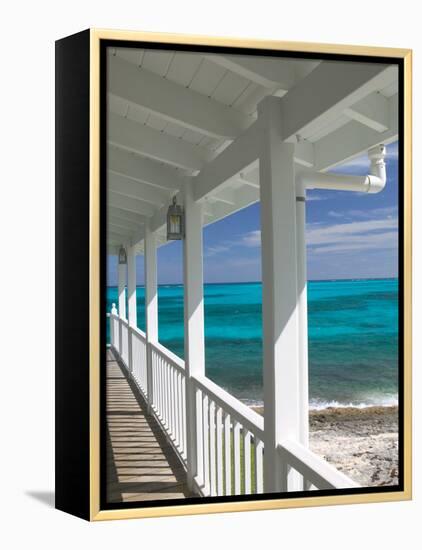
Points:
[[175, 222], [122, 256]]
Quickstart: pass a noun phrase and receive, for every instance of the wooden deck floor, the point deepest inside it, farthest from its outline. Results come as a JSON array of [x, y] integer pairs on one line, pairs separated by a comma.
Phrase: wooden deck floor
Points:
[[141, 464]]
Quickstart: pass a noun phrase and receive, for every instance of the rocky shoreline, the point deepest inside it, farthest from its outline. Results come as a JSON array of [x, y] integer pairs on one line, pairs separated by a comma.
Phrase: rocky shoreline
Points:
[[362, 443]]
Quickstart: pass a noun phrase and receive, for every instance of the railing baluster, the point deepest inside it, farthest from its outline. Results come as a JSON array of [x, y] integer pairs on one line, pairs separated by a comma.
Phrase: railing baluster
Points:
[[236, 457], [259, 477], [199, 437], [227, 454], [247, 460], [220, 470], [213, 484], [206, 432], [184, 415]]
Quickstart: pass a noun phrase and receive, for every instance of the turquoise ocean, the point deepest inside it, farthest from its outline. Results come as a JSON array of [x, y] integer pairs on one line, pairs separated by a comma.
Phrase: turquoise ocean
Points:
[[353, 338]]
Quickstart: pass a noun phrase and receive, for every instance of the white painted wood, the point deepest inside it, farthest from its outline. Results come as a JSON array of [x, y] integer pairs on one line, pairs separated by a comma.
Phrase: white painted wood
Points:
[[116, 221], [236, 458], [131, 299], [238, 410], [122, 274], [267, 72], [279, 301], [151, 301], [315, 100], [237, 156], [138, 219], [315, 469], [227, 454], [372, 111], [193, 320], [259, 474], [155, 174], [353, 139], [247, 461], [200, 436], [302, 304], [136, 206], [213, 476], [136, 189], [206, 448], [219, 435], [131, 285], [142, 139], [173, 102]]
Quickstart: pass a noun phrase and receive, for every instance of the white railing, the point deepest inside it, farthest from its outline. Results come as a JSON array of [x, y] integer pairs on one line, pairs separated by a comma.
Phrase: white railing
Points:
[[230, 443], [315, 472], [138, 365], [169, 394], [229, 438]]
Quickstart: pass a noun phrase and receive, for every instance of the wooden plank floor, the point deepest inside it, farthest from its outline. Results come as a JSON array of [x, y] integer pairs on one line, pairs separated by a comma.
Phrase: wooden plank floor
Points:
[[141, 464]]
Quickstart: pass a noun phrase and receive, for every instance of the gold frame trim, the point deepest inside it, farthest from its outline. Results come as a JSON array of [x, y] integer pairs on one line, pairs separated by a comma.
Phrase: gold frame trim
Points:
[[94, 242]]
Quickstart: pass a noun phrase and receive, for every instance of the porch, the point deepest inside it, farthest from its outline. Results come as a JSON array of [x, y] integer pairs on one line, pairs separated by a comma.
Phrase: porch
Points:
[[218, 153]]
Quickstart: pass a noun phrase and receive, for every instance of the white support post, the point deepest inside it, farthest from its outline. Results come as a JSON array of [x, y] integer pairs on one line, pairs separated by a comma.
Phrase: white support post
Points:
[[302, 300], [131, 291], [122, 301], [280, 311], [122, 287], [151, 304], [194, 330]]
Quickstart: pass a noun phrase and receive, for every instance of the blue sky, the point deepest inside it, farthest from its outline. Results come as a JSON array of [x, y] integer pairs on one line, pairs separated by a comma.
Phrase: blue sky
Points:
[[349, 235]]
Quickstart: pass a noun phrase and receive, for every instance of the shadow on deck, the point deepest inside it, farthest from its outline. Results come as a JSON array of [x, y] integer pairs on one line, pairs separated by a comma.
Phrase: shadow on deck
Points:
[[141, 464]]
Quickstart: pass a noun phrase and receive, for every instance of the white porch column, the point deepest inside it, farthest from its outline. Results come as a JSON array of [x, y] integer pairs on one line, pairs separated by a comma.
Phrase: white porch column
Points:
[[122, 285], [131, 291], [151, 302], [194, 330], [302, 300], [122, 301], [131, 285], [280, 311]]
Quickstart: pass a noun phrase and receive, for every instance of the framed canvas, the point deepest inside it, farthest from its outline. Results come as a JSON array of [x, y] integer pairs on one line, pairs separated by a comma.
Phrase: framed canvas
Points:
[[233, 276]]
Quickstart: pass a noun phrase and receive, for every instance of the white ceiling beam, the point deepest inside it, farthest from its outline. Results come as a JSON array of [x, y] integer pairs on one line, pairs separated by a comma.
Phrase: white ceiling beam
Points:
[[227, 196], [327, 91], [373, 111], [144, 169], [243, 197], [116, 238], [353, 139], [135, 189], [267, 72], [131, 205], [139, 138], [118, 230], [138, 219], [237, 156], [174, 102], [123, 223]]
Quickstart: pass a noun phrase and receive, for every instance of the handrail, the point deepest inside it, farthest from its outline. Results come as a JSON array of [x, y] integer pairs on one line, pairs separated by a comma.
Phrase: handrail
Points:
[[169, 355], [138, 332], [314, 468], [251, 420]]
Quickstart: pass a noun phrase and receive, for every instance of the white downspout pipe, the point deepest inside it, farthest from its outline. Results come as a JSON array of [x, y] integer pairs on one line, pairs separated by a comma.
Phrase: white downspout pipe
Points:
[[374, 182]]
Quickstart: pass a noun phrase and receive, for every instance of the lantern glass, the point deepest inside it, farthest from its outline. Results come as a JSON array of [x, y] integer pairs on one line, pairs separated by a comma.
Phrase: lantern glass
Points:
[[175, 221], [122, 256]]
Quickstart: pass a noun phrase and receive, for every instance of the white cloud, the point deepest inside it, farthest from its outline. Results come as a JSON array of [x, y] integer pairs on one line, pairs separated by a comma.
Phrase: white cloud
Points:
[[252, 239], [360, 235]]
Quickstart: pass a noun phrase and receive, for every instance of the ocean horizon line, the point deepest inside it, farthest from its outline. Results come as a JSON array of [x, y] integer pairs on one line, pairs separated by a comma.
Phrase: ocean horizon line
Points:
[[260, 282]]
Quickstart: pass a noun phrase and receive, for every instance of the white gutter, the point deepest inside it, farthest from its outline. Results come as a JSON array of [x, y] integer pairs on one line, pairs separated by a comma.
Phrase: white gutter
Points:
[[374, 182]]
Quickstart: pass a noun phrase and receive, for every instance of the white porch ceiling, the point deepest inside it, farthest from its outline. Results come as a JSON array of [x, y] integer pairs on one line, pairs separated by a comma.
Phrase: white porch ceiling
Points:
[[171, 116]]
